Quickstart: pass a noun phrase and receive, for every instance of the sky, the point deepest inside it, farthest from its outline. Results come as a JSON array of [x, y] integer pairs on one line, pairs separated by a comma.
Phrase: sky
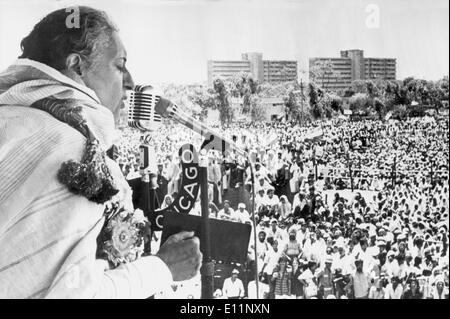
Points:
[[170, 41]]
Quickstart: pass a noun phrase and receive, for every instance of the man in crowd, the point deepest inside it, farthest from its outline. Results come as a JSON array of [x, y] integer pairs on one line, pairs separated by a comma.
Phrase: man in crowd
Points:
[[276, 232], [162, 182], [242, 214], [325, 279], [360, 281], [233, 287], [226, 213]]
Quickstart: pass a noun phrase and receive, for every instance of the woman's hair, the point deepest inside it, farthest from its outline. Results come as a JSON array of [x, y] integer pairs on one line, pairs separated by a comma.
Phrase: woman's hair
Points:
[[54, 37]]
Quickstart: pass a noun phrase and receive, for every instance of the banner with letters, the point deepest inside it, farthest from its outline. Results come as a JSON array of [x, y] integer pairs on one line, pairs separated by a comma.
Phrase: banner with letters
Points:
[[188, 191]]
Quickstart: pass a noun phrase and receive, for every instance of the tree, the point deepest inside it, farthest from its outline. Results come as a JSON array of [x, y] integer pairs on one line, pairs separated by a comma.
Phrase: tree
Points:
[[443, 86], [400, 112], [267, 89], [292, 105], [222, 102], [336, 103], [360, 103], [379, 107], [257, 110], [191, 98], [372, 89], [396, 94], [359, 86], [315, 95], [296, 107], [244, 86], [205, 99]]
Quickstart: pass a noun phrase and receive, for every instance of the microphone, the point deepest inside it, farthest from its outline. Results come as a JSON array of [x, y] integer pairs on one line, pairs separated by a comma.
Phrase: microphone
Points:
[[141, 111], [147, 109]]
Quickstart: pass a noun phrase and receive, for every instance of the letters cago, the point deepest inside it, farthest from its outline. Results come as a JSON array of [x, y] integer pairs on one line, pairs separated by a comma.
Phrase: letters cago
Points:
[[227, 309]]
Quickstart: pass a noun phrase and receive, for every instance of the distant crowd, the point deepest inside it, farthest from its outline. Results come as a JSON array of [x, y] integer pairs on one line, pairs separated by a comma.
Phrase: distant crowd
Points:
[[316, 238]]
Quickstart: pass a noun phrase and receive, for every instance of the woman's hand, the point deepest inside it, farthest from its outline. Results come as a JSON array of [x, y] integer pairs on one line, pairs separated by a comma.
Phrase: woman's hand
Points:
[[182, 255]]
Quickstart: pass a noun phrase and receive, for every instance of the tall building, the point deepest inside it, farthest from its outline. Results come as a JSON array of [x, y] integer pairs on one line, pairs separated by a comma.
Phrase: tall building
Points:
[[351, 66], [279, 71], [226, 69], [340, 76], [357, 62], [256, 64], [380, 68], [252, 62]]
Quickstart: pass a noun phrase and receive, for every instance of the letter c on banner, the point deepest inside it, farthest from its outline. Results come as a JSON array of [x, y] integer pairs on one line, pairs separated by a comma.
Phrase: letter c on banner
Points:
[[184, 207], [157, 221]]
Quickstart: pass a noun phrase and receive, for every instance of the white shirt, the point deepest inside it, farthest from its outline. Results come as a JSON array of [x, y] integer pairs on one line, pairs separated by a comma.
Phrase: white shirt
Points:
[[259, 200], [242, 217], [230, 216], [394, 294], [272, 201], [233, 289], [279, 234], [271, 260], [263, 289], [308, 276], [344, 263]]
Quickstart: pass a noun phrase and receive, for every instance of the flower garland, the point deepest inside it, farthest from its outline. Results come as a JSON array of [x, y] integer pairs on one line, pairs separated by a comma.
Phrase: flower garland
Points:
[[123, 237]]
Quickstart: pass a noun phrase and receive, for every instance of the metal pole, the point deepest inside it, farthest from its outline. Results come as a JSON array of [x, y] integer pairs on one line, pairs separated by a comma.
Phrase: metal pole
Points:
[[301, 102], [147, 201], [350, 171], [431, 174], [394, 171], [146, 207], [207, 269], [315, 164], [255, 238]]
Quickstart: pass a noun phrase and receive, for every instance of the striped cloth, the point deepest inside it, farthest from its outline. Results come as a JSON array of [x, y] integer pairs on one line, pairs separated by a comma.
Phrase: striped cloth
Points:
[[48, 234]]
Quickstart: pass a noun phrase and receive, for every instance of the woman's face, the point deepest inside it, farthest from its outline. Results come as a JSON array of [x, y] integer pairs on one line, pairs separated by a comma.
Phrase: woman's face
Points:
[[168, 200], [109, 77]]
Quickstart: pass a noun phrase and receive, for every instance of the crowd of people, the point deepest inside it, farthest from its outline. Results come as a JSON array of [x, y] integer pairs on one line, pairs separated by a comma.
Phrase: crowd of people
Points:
[[344, 209]]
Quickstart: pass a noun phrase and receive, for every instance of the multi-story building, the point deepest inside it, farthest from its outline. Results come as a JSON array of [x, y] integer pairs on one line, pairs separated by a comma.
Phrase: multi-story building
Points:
[[226, 69], [338, 78], [252, 62], [380, 68], [279, 71], [338, 73]]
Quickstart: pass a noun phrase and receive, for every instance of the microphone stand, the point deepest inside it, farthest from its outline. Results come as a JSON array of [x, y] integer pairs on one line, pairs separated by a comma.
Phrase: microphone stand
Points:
[[207, 269], [255, 236], [147, 200]]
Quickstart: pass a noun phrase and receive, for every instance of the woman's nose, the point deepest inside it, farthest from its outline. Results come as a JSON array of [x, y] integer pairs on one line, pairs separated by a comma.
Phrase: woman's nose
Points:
[[128, 83]]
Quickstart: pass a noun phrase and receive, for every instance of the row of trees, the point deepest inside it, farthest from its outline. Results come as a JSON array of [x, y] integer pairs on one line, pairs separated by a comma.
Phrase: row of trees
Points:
[[309, 102], [401, 98], [302, 102]]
